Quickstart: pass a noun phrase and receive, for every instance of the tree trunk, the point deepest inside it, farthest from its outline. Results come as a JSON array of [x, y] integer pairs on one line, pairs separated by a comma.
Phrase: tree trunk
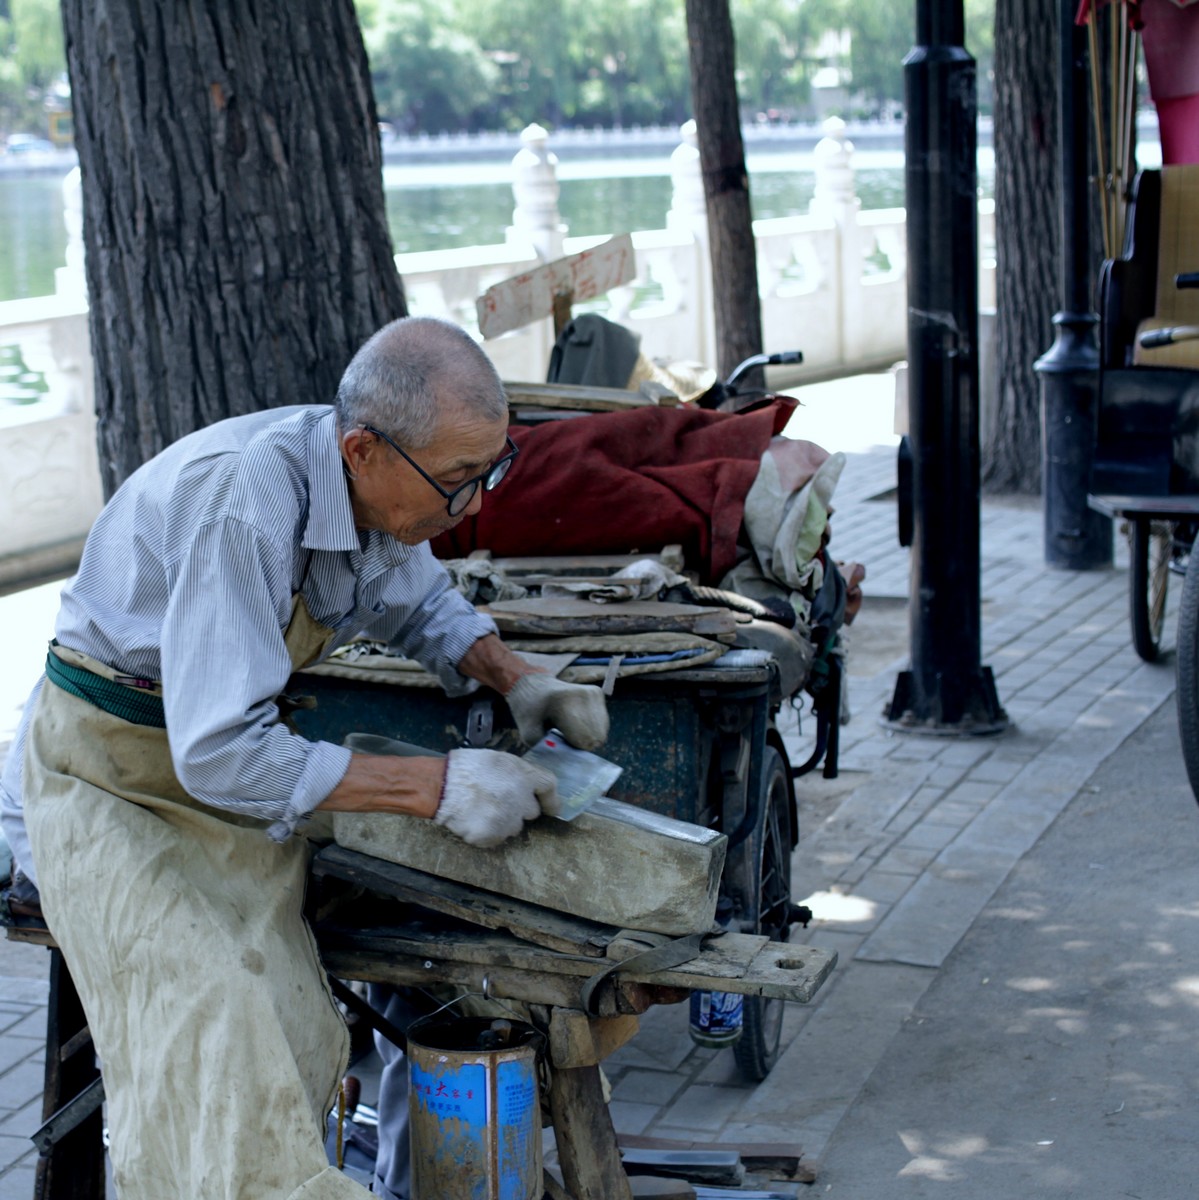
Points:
[[726, 183], [1027, 236], [234, 222]]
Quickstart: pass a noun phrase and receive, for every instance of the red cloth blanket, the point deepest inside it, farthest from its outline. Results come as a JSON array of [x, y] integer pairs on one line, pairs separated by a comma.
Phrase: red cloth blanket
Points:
[[627, 482]]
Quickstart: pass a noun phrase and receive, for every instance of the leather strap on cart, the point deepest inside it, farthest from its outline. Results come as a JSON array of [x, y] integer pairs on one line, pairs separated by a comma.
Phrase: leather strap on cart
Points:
[[656, 958]]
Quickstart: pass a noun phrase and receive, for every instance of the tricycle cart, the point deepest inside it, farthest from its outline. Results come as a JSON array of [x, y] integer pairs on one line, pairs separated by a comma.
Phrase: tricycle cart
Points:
[[699, 744], [1146, 465]]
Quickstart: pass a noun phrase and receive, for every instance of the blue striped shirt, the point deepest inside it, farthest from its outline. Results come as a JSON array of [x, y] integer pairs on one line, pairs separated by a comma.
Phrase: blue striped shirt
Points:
[[188, 576]]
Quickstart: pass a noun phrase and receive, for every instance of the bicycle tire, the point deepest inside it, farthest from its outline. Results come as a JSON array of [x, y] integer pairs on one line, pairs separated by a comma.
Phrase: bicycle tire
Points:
[[757, 1050], [1186, 690], [1148, 583]]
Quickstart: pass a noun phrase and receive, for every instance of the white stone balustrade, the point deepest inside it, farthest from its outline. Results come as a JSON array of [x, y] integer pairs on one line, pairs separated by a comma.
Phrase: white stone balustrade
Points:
[[833, 284]]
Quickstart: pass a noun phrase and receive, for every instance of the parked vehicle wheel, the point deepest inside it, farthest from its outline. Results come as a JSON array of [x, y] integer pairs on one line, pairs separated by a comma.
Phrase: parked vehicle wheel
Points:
[[1187, 670], [758, 1048], [1150, 545]]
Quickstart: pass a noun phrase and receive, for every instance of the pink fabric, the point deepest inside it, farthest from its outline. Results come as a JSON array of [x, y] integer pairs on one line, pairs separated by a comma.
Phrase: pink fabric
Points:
[[1178, 123], [1170, 37]]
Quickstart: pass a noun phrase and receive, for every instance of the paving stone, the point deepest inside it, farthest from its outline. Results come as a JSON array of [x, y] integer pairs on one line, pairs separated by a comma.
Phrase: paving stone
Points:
[[23, 1081], [906, 860], [647, 1087], [661, 1043], [837, 1047], [996, 770], [704, 1107], [18, 1183], [24, 1023], [929, 835], [14, 1150], [14, 1050], [628, 1117], [24, 1121]]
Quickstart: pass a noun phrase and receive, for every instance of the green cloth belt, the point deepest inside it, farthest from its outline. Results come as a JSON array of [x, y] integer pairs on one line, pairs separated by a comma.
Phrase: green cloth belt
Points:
[[136, 707]]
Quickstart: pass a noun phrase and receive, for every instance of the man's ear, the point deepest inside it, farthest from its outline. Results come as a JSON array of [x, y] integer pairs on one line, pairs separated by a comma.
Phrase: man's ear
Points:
[[357, 447]]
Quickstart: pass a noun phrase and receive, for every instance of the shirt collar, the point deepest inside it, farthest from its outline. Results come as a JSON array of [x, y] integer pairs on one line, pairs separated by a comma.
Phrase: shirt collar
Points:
[[330, 516]]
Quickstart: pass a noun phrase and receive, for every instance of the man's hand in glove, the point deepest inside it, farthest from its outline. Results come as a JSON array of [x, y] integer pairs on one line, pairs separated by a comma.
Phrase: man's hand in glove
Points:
[[488, 795], [540, 701]]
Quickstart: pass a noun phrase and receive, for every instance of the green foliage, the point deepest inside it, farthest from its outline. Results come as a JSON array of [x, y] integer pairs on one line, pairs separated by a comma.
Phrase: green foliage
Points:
[[32, 61], [428, 76], [447, 65]]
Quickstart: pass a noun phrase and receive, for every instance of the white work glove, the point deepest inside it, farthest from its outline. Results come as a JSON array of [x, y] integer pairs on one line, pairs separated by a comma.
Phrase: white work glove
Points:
[[541, 701], [488, 795]]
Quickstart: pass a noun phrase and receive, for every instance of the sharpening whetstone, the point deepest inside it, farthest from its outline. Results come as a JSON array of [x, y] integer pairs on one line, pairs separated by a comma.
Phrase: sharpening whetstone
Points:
[[615, 863]]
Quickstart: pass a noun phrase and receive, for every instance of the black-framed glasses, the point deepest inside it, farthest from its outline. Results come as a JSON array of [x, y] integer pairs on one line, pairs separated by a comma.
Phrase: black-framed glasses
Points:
[[457, 500]]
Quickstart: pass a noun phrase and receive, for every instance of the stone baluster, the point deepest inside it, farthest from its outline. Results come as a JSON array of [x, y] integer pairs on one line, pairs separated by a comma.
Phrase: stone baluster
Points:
[[688, 207], [70, 280], [836, 200], [535, 218], [689, 214]]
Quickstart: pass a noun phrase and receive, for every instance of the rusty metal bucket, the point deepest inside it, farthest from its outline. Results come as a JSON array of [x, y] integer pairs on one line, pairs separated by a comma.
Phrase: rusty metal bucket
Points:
[[474, 1109]]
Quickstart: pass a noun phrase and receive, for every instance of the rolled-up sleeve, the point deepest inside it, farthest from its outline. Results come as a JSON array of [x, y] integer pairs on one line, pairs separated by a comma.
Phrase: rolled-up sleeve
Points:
[[224, 661]]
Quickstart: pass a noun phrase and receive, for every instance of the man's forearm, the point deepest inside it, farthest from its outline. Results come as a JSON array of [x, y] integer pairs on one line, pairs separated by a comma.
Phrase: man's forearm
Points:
[[492, 663], [387, 783]]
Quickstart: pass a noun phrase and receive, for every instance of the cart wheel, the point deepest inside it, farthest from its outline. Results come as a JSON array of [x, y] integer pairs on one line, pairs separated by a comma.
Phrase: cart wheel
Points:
[[758, 1048], [1150, 543], [1187, 667]]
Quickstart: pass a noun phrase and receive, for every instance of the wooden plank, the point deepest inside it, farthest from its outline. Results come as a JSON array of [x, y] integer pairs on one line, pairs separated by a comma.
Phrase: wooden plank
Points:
[[587, 565], [1165, 507], [563, 615], [757, 1156], [574, 397], [615, 864], [778, 969], [542, 926], [529, 296]]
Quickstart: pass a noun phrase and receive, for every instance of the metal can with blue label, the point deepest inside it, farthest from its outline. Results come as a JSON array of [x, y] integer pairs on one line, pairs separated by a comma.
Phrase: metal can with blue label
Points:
[[716, 1018]]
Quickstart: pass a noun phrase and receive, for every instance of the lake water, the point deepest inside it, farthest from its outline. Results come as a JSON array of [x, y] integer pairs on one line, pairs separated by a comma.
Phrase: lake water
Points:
[[433, 206]]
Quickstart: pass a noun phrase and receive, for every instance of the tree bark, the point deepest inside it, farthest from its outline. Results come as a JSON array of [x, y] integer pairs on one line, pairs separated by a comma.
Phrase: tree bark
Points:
[[1026, 234], [234, 222], [726, 183]]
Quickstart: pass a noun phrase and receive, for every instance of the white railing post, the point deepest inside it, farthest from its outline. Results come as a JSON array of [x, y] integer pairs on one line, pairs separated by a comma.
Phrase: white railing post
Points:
[[689, 214], [71, 280], [836, 200], [535, 218]]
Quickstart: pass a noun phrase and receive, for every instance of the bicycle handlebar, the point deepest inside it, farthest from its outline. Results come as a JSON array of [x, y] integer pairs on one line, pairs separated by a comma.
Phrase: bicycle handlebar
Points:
[[1156, 338], [785, 358]]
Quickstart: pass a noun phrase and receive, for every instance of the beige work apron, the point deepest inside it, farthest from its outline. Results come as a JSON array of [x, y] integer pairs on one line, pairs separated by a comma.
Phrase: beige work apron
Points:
[[219, 1041]]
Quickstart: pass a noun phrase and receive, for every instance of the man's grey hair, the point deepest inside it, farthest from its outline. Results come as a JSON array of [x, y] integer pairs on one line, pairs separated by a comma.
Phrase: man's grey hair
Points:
[[412, 374]]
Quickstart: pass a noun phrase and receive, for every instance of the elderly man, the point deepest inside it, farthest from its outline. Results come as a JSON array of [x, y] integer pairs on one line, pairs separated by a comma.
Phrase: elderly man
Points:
[[155, 796]]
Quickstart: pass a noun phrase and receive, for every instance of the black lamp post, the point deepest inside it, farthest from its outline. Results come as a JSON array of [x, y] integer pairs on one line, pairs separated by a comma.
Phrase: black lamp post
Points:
[[946, 690], [1076, 537]]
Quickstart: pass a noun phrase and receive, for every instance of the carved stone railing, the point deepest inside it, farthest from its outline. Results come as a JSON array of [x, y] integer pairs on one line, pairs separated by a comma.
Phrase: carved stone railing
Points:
[[832, 281]]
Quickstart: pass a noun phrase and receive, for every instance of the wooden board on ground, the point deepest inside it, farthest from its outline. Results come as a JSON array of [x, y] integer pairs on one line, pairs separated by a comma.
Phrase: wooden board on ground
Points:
[[615, 864], [561, 615], [757, 1156]]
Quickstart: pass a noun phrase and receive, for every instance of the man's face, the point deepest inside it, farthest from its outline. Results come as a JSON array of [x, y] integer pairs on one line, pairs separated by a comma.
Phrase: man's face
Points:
[[388, 494]]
